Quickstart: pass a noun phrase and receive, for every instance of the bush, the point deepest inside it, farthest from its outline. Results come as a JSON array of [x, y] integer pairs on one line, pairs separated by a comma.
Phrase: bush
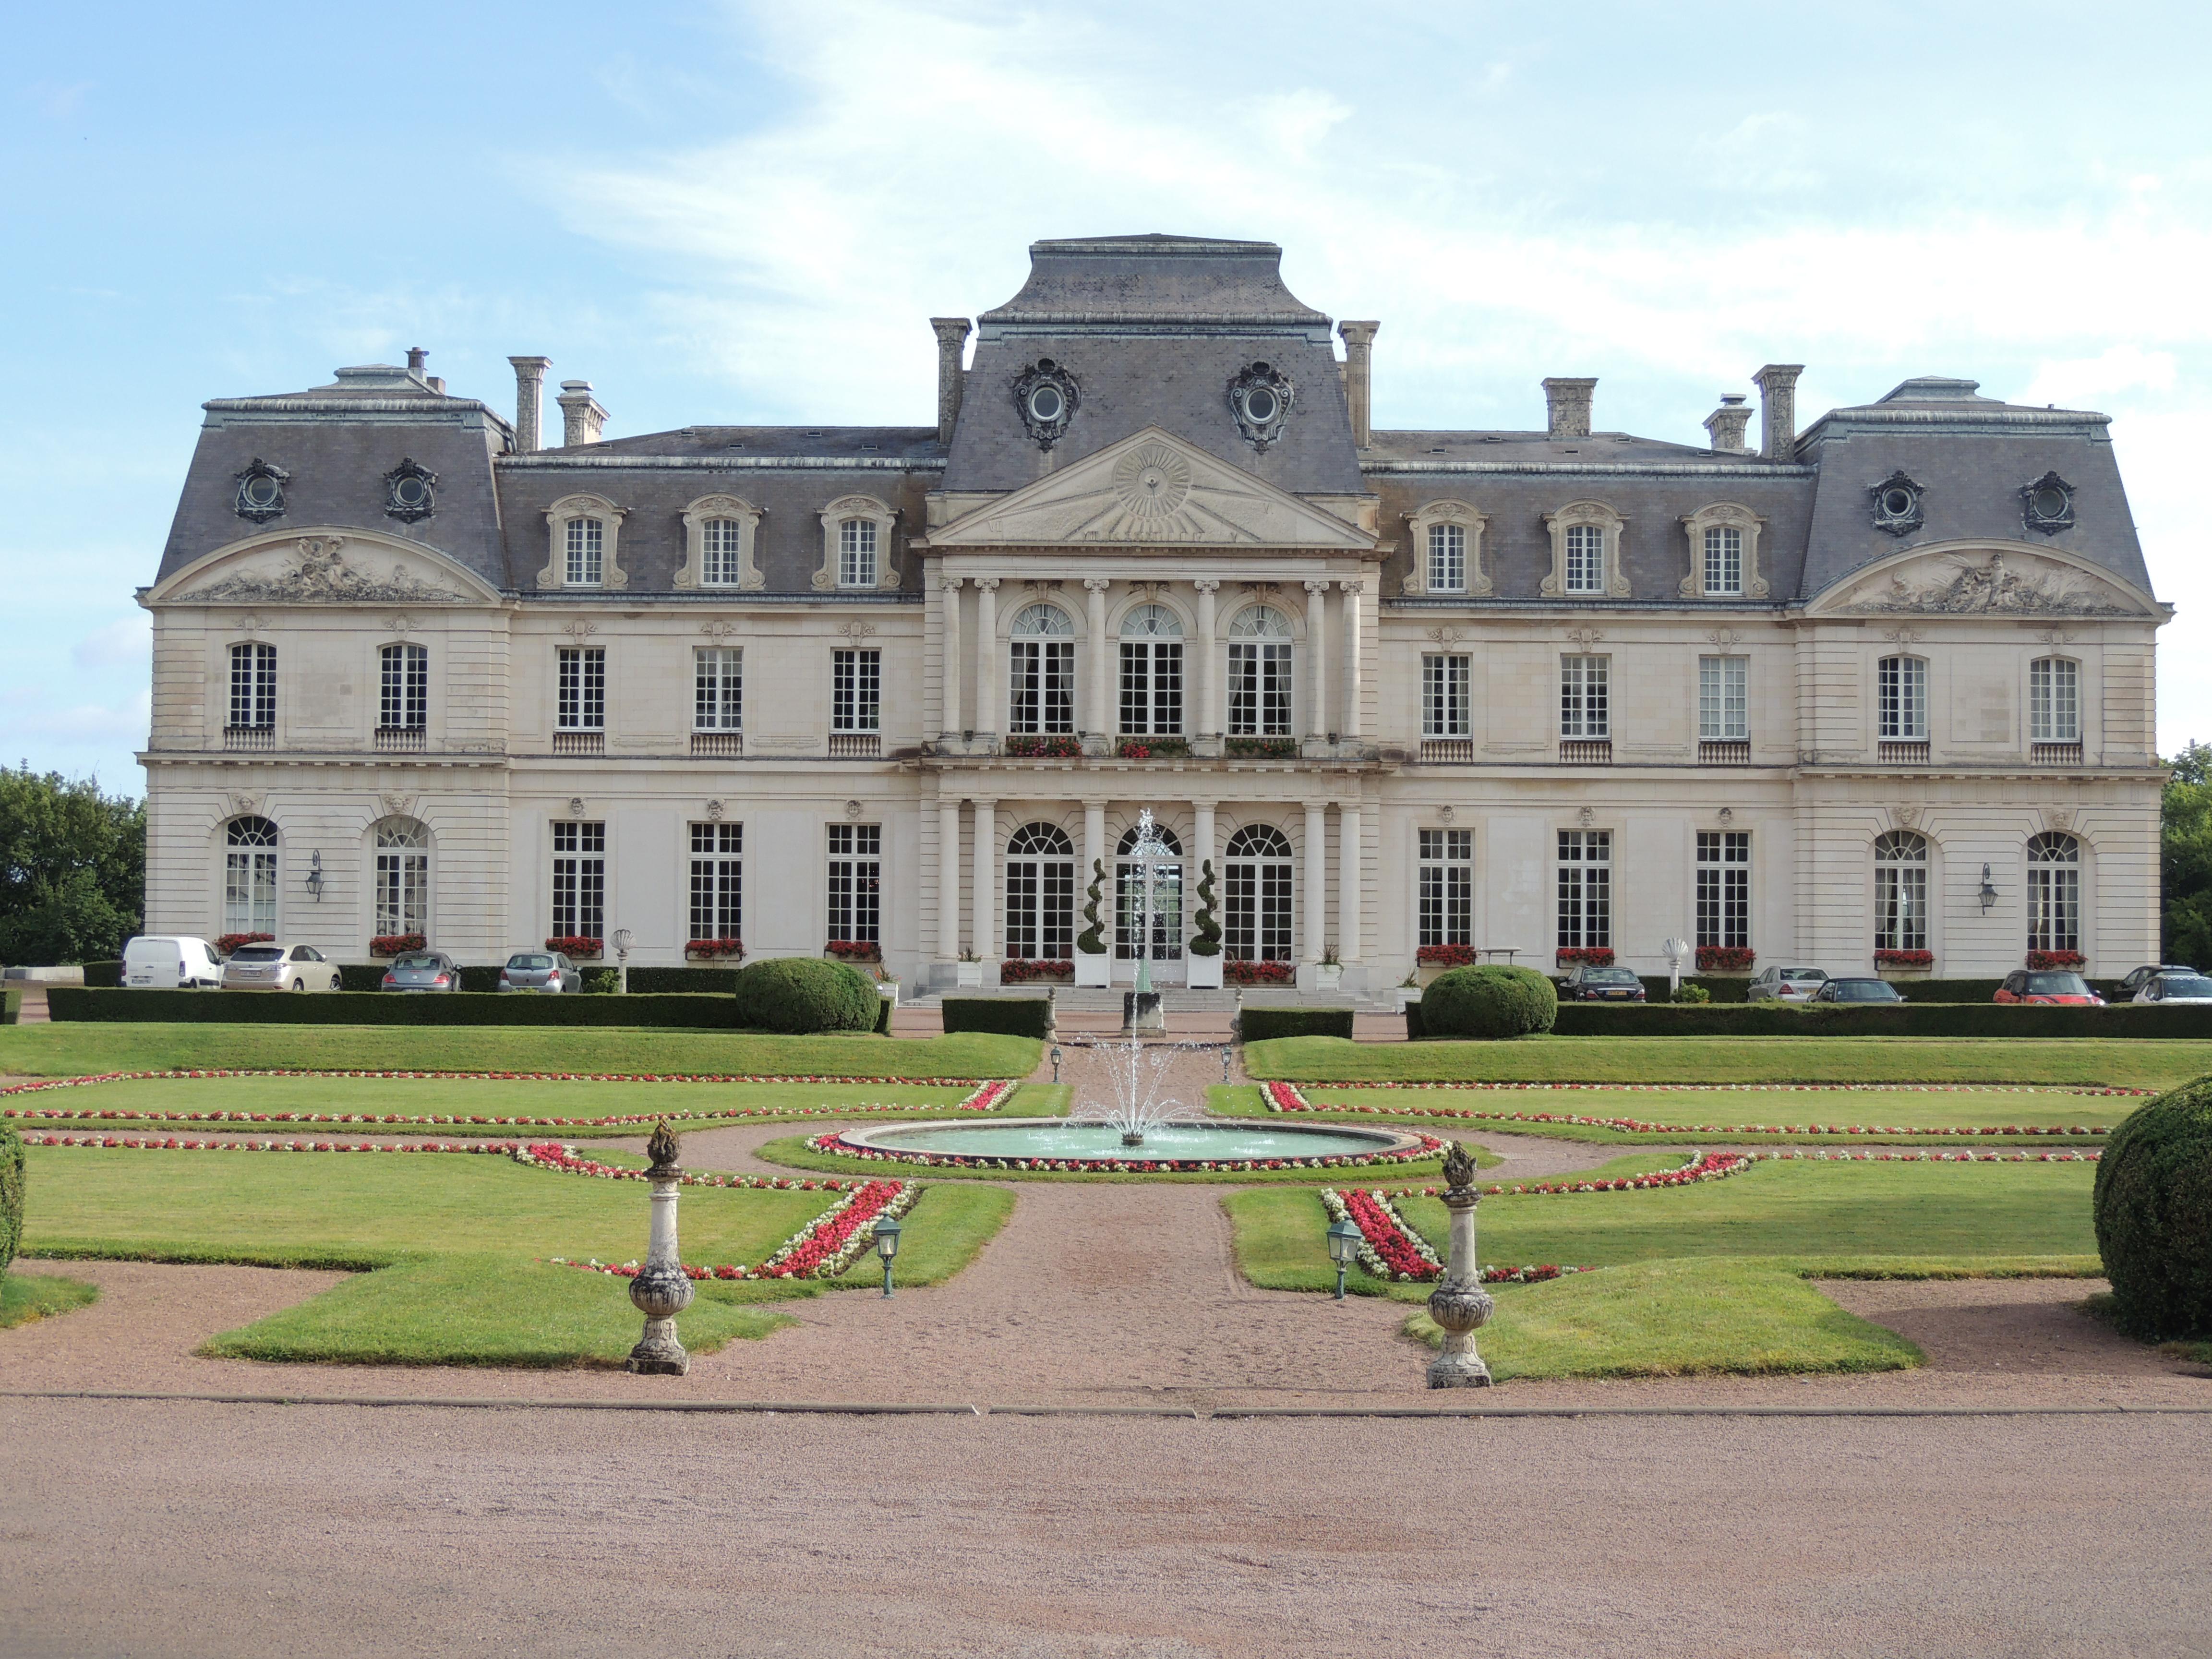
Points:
[[1261, 1024], [1205, 931], [799, 995], [103, 976], [682, 982], [11, 1004], [1091, 942], [1004, 1015], [885, 1009], [706, 1014], [11, 1195], [1489, 1002], [1920, 1019], [1691, 991], [2152, 1205]]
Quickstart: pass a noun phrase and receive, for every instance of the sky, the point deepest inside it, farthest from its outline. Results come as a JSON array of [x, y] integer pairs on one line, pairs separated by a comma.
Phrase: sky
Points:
[[746, 213]]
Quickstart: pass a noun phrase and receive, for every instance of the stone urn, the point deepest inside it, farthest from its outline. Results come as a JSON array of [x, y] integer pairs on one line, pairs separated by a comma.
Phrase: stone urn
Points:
[[1459, 1304], [661, 1290]]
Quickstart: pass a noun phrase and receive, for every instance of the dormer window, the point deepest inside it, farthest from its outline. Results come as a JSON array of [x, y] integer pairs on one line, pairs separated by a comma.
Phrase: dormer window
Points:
[[1447, 558], [261, 492], [586, 566], [1585, 553], [1447, 545], [856, 554], [719, 550], [583, 531], [720, 543], [410, 492], [1723, 553], [1585, 559], [1723, 559], [856, 547]]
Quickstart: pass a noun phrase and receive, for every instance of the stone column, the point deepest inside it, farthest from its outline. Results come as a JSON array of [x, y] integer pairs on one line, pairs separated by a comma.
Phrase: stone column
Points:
[[948, 880], [1317, 659], [1204, 848], [1347, 883], [948, 611], [987, 653], [661, 1289], [1317, 927], [985, 926], [1459, 1303], [1100, 719], [1202, 717], [1347, 725]]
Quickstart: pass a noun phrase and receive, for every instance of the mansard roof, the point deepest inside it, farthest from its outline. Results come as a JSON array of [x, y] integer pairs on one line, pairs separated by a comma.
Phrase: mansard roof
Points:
[[1117, 283]]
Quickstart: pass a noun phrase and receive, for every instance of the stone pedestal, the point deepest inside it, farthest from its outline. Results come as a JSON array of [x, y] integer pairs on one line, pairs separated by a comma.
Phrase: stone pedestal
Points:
[[1141, 1012], [661, 1292], [1459, 1304]]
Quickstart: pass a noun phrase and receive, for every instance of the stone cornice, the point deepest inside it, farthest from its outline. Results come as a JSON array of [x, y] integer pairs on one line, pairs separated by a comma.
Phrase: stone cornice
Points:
[[558, 459]]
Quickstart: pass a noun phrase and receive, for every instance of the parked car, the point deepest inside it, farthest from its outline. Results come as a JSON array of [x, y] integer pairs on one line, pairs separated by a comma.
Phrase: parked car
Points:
[[1589, 984], [540, 970], [2131, 987], [2179, 985], [1779, 984], [2048, 986], [171, 962], [279, 968], [422, 970], [1856, 990]]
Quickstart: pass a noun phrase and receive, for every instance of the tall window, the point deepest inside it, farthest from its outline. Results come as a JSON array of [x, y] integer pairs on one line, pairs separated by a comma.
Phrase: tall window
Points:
[[580, 880], [2054, 893], [856, 881], [1447, 558], [717, 880], [1901, 698], [253, 685], [1585, 710], [1585, 559], [1723, 559], [1447, 887], [1585, 888], [583, 701], [1041, 894], [1260, 674], [1151, 672], [856, 553], [1041, 682], [1445, 696], [1724, 714], [587, 561], [720, 542], [1724, 887], [717, 688], [1900, 891], [2054, 700], [1166, 942], [1259, 909], [403, 879], [406, 701], [856, 691], [249, 877]]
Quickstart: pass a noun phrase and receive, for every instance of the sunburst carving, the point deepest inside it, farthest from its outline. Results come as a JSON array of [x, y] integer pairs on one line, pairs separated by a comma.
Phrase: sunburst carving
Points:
[[1152, 482]]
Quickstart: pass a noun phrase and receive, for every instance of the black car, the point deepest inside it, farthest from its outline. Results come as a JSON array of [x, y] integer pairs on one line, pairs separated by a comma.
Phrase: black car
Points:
[[1589, 984], [1858, 991], [2142, 976]]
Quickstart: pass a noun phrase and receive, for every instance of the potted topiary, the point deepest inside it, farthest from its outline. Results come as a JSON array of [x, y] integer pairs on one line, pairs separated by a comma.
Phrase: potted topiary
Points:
[[1328, 972], [1092, 968], [1204, 961]]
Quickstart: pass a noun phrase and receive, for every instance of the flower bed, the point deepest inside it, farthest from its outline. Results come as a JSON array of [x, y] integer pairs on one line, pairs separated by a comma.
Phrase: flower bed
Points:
[[1023, 970], [1725, 958], [1389, 1248], [1903, 958], [825, 1248], [228, 942], [397, 945], [1445, 955], [2057, 959], [1597, 956], [1022, 747], [575, 945], [714, 949], [855, 950], [1237, 972], [838, 1145]]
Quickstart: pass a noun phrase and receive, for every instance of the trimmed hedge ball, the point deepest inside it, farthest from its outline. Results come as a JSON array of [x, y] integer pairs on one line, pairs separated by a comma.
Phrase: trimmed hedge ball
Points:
[[2152, 1205], [1489, 1002], [11, 1195], [797, 996]]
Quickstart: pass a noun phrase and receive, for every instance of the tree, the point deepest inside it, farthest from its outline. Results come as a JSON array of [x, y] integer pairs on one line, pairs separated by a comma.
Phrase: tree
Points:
[[2185, 857], [72, 869]]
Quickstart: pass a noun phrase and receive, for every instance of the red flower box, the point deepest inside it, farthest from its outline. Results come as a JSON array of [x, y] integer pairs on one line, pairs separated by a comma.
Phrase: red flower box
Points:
[[1725, 958], [575, 945], [1259, 973], [1597, 956], [230, 942], [1037, 748], [714, 947], [397, 945], [2056, 959], [1904, 959], [1022, 970], [1445, 955], [855, 950]]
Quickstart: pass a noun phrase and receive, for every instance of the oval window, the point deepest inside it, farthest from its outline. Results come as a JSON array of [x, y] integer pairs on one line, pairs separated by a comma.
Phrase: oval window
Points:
[[1047, 404], [410, 491], [260, 491], [1897, 503], [2050, 503], [1261, 406]]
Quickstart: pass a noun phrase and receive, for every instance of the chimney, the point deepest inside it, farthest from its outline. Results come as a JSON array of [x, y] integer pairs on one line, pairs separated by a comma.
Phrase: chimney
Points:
[[529, 400], [437, 384], [415, 355], [1778, 407], [1568, 403], [1725, 425], [952, 337], [581, 417], [1359, 379]]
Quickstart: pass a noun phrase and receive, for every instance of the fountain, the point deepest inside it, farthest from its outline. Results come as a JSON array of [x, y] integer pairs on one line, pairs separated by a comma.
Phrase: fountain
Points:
[[1139, 1072], [1140, 1006]]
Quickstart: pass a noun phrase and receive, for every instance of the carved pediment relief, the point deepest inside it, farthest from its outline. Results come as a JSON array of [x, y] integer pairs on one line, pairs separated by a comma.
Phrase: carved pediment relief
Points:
[[2005, 582], [1152, 489], [324, 569]]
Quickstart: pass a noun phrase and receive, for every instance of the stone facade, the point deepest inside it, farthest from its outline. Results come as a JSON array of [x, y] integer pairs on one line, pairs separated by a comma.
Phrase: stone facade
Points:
[[1505, 690]]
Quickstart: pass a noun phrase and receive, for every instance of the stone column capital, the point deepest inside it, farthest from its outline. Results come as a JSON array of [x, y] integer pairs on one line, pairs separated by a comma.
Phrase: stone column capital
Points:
[[987, 584], [1207, 584], [1317, 588], [950, 584], [1353, 587], [1096, 583]]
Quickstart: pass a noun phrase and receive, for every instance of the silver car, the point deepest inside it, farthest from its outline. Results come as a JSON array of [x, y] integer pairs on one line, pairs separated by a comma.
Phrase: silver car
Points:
[[1786, 985], [279, 968], [2181, 985], [540, 970], [422, 970]]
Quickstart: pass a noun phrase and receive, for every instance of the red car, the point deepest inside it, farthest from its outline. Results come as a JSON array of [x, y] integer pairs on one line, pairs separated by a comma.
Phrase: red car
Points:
[[2048, 986]]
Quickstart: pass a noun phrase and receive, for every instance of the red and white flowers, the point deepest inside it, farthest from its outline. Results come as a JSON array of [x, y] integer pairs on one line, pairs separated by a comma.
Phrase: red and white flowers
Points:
[[825, 1248], [1389, 1248], [839, 1145]]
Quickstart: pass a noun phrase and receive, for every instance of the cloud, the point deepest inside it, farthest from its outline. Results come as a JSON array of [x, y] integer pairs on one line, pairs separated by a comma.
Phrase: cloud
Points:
[[127, 639], [2123, 367], [82, 723]]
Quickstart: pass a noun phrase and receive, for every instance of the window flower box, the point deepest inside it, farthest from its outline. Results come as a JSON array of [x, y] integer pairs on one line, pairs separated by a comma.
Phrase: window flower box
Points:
[[230, 942], [713, 950], [1445, 955], [1259, 973], [1903, 964], [1152, 748], [397, 945], [1597, 956], [1023, 970], [1260, 748], [1725, 958], [2057, 959], [853, 950], [577, 946], [1023, 746]]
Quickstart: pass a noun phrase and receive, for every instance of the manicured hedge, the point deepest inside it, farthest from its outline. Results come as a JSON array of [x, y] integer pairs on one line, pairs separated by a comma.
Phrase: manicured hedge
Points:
[[682, 982], [1956, 1020], [2153, 1204], [11, 1194], [69, 1002], [107, 976], [1489, 1003], [801, 995], [1261, 1024], [1003, 1016], [1734, 987], [11, 1004], [885, 1010]]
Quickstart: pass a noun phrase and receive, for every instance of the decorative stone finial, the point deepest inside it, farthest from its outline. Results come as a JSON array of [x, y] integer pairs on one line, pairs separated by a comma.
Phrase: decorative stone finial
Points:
[[1459, 1167], [662, 1150]]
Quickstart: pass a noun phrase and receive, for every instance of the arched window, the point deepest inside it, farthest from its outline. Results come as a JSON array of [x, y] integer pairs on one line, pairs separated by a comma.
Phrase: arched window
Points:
[[1041, 894], [721, 550], [2054, 893], [1260, 673], [2054, 700], [1900, 891], [403, 879], [249, 877], [1258, 870], [1166, 942], [1042, 676], [1447, 558], [253, 687], [1151, 672]]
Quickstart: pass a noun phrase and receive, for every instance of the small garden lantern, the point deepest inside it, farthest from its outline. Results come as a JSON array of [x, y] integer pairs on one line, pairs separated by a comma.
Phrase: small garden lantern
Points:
[[887, 1237], [1343, 1247], [1055, 1062]]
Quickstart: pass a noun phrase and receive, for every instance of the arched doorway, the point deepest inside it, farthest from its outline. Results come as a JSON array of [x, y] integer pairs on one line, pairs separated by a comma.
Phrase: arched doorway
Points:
[[1165, 946], [1041, 894], [1259, 907]]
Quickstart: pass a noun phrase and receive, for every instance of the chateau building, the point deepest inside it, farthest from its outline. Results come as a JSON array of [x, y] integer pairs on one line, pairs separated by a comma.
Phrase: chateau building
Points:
[[1884, 684]]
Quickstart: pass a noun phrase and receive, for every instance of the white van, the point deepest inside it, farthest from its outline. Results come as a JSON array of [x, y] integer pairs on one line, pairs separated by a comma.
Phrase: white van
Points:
[[170, 964]]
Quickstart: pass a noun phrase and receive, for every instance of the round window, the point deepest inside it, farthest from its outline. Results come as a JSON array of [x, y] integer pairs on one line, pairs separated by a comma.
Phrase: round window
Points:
[[1261, 406], [2050, 503], [410, 491], [260, 490], [1897, 503], [1046, 404]]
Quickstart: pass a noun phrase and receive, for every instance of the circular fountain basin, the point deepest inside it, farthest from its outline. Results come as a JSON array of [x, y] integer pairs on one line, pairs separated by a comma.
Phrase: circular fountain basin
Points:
[[1204, 1144]]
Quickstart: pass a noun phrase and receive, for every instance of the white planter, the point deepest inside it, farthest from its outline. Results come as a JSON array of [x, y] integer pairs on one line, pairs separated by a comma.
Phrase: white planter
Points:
[[1204, 972], [1406, 993], [1328, 976], [967, 974], [888, 990], [1093, 971]]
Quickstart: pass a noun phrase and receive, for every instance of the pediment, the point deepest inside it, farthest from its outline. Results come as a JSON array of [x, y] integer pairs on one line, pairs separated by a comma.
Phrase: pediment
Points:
[[1985, 581], [1152, 489], [323, 566]]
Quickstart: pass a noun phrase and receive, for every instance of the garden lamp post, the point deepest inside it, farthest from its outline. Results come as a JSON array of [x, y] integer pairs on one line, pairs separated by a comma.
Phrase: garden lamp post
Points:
[[1055, 1062], [1343, 1247], [621, 940], [1459, 1304], [661, 1289], [887, 1237]]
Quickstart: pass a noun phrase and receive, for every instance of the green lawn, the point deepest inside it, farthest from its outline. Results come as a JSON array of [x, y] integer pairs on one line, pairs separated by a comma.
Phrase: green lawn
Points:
[[73, 1050], [27, 1297], [2148, 1063]]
